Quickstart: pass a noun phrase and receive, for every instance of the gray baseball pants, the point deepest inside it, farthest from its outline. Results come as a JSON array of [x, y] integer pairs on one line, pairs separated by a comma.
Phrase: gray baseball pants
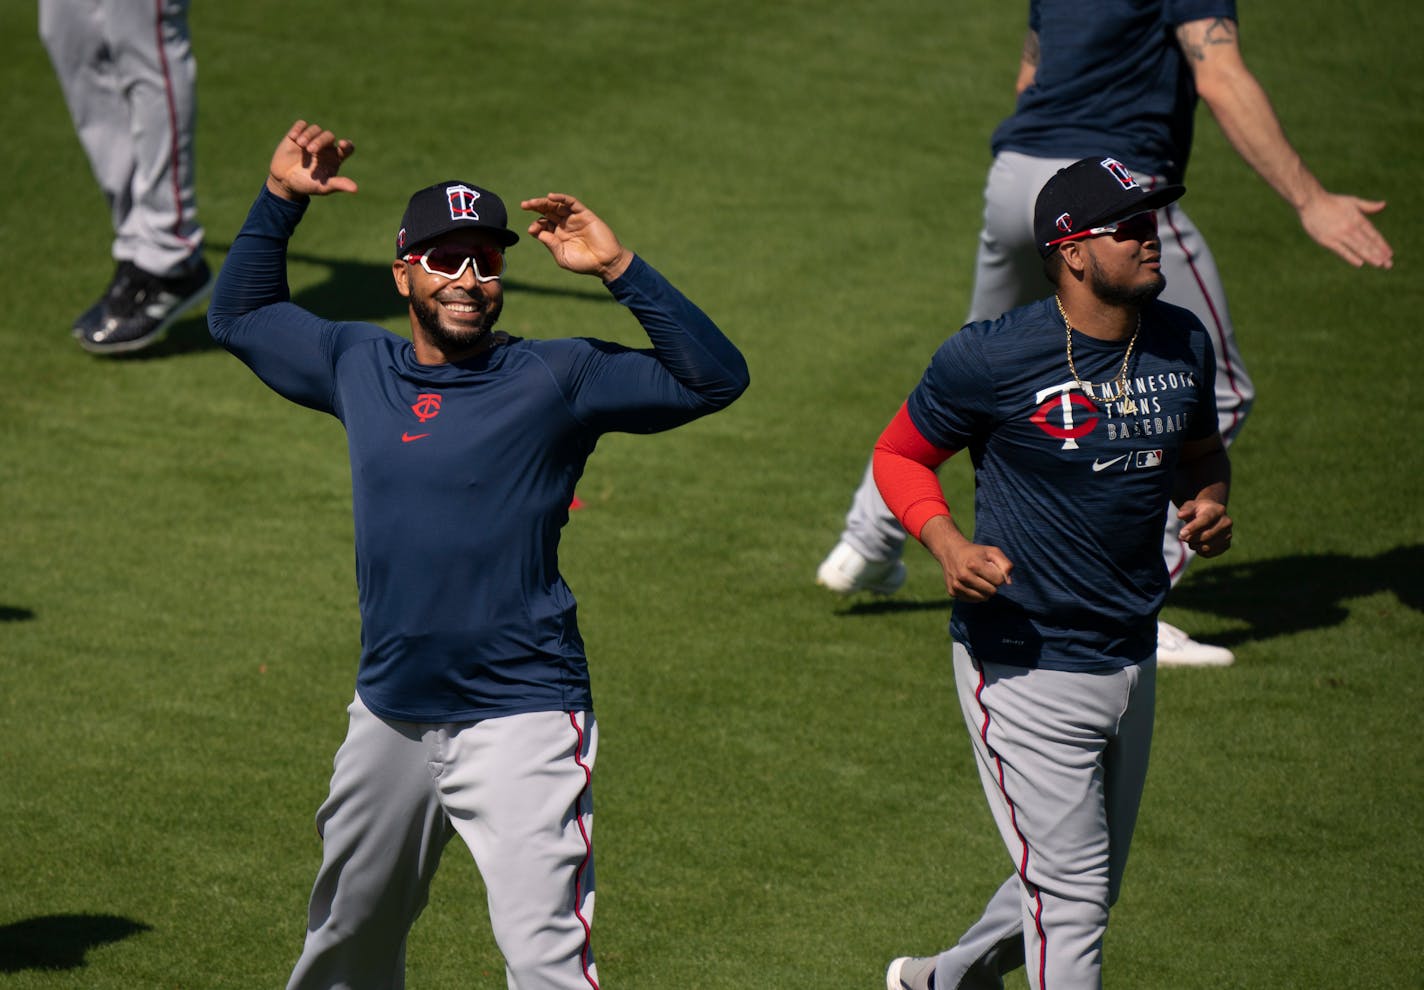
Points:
[[1063, 759], [517, 789], [128, 75], [1009, 273]]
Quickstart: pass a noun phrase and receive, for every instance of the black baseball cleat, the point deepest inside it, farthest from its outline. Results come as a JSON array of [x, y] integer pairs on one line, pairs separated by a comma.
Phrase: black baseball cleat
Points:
[[119, 287], [140, 307]]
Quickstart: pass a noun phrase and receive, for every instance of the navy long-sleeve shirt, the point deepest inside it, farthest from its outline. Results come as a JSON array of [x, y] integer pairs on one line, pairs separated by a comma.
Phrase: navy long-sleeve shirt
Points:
[[462, 473]]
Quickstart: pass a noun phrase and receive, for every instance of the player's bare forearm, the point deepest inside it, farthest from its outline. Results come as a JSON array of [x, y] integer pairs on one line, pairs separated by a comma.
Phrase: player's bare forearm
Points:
[[1243, 110], [972, 572], [1203, 472]]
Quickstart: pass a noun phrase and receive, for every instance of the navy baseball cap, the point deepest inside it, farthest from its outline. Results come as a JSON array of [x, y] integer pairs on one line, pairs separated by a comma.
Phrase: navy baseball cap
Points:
[[1092, 192], [452, 205]]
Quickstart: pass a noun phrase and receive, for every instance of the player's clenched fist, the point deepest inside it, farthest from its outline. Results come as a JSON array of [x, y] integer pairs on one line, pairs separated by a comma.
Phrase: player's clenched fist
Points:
[[1206, 527], [973, 572], [977, 573]]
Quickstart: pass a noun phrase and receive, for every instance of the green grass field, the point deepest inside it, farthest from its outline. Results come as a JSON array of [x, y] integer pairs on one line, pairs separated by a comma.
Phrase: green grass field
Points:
[[786, 795]]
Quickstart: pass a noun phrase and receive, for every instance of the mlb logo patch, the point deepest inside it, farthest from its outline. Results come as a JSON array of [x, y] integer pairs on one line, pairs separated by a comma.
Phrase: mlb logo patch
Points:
[[1149, 458], [1119, 172], [462, 202]]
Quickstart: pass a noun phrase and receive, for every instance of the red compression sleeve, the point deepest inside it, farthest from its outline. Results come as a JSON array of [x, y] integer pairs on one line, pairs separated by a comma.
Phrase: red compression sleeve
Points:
[[904, 464]]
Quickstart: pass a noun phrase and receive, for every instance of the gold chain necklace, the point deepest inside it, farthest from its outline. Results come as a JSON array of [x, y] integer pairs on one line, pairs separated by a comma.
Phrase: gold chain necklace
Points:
[[1120, 391]]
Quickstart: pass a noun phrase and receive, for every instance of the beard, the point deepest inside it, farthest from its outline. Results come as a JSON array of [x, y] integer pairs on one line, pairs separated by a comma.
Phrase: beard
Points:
[[452, 341], [1120, 293]]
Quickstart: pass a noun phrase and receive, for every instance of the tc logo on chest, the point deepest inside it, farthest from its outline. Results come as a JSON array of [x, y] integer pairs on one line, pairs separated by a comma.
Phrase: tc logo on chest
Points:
[[427, 406], [1065, 414]]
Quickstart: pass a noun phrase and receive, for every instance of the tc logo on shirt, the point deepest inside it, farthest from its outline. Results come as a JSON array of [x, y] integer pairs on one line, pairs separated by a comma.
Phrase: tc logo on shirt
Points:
[[1058, 403], [427, 406]]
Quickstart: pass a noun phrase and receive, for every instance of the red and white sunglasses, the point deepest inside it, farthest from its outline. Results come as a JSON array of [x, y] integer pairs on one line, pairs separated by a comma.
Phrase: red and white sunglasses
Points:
[[449, 261]]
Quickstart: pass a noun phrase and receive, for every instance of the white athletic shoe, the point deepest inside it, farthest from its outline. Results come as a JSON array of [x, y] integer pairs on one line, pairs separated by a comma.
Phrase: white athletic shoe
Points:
[[845, 571], [1176, 649], [910, 973]]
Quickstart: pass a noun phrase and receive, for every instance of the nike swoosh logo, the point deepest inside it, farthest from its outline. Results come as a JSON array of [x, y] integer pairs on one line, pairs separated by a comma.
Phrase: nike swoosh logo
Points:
[[407, 438], [1104, 465]]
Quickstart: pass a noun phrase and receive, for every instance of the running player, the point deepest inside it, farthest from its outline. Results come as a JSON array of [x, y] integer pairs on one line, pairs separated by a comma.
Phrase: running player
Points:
[[1085, 414], [1122, 77]]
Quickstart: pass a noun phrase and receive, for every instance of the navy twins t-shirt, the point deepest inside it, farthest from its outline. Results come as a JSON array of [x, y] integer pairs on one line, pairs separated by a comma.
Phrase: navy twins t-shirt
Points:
[[1073, 489], [1111, 79]]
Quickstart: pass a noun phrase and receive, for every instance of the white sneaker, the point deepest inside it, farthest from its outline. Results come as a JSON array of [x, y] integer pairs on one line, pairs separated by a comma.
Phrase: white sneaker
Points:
[[845, 571], [1176, 649], [911, 973]]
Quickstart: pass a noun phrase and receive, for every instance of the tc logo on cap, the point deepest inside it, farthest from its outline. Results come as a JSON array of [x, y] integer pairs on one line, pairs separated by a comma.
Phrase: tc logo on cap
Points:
[[462, 202], [1064, 223], [1119, 172]]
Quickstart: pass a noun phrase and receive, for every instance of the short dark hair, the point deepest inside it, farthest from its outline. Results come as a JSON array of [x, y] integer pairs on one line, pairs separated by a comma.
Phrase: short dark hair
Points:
[[1053, 267]]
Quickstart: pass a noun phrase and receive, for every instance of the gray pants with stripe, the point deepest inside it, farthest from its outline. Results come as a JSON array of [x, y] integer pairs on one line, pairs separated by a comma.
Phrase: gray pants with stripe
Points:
[[516, 789], [128, 75], [1009, 273], [1063, 759]]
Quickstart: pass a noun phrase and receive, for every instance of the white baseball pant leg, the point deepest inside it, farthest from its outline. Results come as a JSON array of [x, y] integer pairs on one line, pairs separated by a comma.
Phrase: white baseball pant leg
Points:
[[1063, 760], [517, 789], [128, 74]]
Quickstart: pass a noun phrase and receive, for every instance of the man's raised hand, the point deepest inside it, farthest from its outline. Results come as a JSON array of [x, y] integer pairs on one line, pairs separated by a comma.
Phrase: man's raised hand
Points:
[[576, 237], [307, 161]]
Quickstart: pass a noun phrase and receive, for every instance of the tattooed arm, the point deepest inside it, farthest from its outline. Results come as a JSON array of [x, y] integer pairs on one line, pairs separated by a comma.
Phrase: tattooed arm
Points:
[[1028, 63], [1243, 110]]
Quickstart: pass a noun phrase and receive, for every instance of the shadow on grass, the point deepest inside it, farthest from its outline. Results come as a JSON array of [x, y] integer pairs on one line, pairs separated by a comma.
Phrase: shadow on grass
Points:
[[60, 941], [890, 606], [1268, 597], [1301, 592], [353, 290], [9, 613]]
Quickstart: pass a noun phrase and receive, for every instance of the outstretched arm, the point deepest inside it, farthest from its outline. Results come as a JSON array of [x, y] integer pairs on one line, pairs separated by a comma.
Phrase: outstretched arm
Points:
[[1242, 108], [576, 237]]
